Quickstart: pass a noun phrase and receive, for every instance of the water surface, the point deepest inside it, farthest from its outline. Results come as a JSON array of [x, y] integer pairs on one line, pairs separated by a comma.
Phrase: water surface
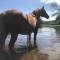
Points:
[[48, 46]]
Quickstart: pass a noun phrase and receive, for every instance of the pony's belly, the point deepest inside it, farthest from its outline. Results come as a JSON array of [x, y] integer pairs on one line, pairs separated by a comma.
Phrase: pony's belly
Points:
[[25, 31], [21, 30]]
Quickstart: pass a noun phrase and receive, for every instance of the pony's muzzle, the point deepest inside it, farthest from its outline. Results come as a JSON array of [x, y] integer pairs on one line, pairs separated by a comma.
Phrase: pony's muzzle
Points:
[[47, 17]]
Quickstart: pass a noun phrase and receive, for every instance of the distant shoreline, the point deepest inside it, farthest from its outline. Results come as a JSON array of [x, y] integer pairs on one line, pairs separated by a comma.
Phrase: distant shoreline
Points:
[[43, 25]]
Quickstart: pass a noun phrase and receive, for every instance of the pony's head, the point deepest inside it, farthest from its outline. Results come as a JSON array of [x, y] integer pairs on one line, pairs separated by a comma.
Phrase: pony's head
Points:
[[40, 12], [44, 13]]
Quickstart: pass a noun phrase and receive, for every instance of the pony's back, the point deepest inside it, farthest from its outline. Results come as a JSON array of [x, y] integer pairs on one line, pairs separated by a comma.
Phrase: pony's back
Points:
[[14, 11]]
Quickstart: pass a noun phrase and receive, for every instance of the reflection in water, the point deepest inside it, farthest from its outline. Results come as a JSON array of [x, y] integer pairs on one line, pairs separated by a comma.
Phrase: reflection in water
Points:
[[49, 43], [48, 46]]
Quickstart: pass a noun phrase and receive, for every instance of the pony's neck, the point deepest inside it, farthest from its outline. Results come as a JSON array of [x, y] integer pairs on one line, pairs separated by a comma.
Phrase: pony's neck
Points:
[[37, 14]]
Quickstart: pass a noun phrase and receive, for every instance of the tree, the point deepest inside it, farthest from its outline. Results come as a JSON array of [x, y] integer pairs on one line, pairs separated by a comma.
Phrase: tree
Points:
[[57, 21], [56, 7]]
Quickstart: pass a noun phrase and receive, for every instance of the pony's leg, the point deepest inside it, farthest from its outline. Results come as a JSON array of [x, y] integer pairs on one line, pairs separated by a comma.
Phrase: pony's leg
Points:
[[35, 34], [3, 38], [29, 37], [28, 40], [13, 40]]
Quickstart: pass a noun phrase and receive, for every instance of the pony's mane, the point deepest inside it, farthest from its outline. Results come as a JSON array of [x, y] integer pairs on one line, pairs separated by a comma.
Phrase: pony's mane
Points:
[[13, 11], [37, 9]]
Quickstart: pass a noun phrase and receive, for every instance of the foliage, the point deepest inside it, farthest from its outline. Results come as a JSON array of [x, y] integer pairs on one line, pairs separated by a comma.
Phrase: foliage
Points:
[[54, 22], [55, 6], [58, 20]]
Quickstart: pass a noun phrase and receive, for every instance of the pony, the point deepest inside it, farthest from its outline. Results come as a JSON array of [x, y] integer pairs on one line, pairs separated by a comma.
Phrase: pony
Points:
[[16, 22], [38, 12]]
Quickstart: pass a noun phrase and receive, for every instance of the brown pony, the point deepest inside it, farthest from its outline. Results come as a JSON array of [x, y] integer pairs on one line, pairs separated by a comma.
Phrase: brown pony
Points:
[[16, 22]]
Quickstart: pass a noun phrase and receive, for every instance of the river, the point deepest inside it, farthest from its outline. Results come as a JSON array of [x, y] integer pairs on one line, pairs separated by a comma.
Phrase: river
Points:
[[48, 46]]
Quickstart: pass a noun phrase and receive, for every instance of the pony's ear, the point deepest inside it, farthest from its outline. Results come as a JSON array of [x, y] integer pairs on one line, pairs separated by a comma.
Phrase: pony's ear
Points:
[[43, 7], [33, 12]]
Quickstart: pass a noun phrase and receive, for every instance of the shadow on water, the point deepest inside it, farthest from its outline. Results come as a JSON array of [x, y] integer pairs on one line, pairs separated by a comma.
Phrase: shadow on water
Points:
[[47, 46], [57, 28], [22, 53], [12, 54]]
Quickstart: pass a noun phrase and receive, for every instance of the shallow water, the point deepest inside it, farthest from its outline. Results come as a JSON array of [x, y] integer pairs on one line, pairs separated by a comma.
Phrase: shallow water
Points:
[[48, 46]]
